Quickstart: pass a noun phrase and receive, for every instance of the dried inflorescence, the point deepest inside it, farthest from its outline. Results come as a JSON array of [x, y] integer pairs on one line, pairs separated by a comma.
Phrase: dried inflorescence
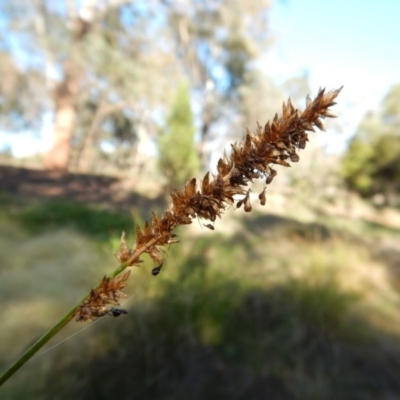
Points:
[[108, 292], [276, 143]]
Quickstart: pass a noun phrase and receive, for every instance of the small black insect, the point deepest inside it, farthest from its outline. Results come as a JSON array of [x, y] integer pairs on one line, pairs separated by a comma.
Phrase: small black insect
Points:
[[116, 312], [209, 226], [156, 270]]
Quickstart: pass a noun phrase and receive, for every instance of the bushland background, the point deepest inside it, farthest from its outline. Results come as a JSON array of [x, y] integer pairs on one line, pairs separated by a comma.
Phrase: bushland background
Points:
[[105, 108]]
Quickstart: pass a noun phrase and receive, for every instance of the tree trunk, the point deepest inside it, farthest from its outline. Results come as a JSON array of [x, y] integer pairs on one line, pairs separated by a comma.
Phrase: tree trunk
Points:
[[85, 155], [64, 122], [66, 93], [58, 157]]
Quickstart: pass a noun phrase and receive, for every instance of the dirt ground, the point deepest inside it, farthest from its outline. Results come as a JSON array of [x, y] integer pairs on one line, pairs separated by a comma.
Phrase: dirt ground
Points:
[[34, 184]]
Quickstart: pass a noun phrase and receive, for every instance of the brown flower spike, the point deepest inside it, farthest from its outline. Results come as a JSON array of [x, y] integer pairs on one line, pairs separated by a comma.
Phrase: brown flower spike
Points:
[[108, 292], [277, 143]]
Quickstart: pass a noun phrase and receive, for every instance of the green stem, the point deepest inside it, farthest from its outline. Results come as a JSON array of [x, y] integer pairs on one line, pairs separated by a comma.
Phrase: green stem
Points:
[[38, 345], [64, 321]]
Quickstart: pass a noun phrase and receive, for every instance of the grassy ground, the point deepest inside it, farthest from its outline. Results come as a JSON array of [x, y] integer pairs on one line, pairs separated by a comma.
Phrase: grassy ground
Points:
[[264, 307]]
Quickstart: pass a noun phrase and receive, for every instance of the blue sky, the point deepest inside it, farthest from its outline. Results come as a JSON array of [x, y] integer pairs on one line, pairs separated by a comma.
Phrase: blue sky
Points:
[[352, 43]]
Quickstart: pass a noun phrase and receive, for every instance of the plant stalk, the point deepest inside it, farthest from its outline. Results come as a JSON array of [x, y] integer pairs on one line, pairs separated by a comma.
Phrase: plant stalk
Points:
[[64, 321]]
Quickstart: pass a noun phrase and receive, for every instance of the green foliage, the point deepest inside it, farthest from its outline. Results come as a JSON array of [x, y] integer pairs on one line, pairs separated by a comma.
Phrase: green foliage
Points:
[[356, 166], [370, 165], [178, 158], [99, 224], [373, 167]]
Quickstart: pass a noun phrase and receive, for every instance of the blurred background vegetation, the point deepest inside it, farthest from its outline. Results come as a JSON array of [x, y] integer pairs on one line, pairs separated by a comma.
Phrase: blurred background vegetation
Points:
[[297, 300]]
